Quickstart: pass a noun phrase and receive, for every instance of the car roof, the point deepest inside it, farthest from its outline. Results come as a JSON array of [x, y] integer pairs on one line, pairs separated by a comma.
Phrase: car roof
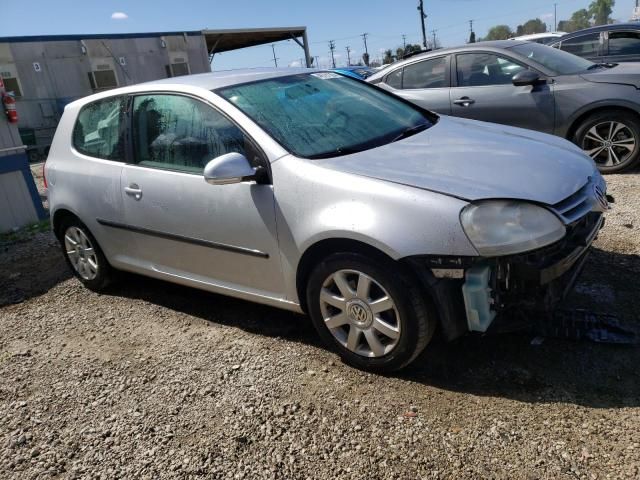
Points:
[[207, 81], [535, 36], [494, 44], [225, 78], [600, 28]]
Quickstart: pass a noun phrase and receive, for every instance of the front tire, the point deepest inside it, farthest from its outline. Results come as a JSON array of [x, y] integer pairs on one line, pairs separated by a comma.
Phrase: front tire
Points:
[[84, 256], [611, 138], [370, 311]]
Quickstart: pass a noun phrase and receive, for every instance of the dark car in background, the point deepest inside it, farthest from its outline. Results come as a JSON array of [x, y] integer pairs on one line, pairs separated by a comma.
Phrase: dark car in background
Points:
[[532, 86], [615, 43]]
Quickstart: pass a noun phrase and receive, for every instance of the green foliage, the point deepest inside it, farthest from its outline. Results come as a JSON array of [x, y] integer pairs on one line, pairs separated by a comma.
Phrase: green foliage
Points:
[[472, 37], [535, 25], [388, 57], [25, 233], [365, 59], [579, 20], [499, 32], [601, 10]]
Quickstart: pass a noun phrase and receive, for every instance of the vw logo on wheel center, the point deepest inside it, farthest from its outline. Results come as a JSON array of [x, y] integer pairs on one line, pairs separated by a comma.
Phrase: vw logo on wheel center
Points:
[[359, 313]]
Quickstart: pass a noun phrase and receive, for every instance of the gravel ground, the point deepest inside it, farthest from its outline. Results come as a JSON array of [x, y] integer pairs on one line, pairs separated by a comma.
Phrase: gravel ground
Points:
[[154, 380]]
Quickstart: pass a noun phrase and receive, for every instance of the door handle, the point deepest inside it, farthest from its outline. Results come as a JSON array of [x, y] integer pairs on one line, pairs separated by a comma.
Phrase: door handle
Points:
[[464, 101], [133, 190]]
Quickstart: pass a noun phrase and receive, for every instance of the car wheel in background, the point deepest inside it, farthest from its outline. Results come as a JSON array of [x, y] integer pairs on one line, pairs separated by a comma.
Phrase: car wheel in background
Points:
[[84, 256], [611, 138], [370, 311]]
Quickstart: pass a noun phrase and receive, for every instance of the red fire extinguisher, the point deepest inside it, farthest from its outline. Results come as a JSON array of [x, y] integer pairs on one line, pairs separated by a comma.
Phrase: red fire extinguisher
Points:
[[9, 103]]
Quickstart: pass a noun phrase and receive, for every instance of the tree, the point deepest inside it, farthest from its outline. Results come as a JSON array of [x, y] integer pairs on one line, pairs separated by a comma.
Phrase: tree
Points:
[[388, 56], [499, 32], [472, 37], [579, 20], [365, 59], [535, 25], [400, 52], [601, 10]]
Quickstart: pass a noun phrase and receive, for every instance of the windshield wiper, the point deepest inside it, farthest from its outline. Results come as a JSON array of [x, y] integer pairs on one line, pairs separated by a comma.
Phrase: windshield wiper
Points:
[[602, 65], [411, 131]]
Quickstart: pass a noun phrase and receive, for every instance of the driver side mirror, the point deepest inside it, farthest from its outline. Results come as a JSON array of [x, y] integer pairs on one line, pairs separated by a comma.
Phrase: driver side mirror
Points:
[[228, 169], [525, 77]]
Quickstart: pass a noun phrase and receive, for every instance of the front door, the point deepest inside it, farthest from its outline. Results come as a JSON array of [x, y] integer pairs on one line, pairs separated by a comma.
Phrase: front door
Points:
[[222, 235], [484, 91]]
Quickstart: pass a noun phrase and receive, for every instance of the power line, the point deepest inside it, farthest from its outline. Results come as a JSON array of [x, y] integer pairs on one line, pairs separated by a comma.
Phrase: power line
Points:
[[275, 60]]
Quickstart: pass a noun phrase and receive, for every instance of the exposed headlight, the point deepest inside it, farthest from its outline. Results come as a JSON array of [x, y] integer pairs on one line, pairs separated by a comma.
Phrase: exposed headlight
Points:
[[504, 227]]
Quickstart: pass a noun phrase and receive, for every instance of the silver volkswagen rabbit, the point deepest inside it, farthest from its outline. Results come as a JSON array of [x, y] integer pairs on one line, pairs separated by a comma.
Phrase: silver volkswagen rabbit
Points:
[[318, 193]]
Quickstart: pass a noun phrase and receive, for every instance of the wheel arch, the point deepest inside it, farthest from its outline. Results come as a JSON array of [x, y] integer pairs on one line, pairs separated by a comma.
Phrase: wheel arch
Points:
[[59, 216], [589, 110], [322, 249]]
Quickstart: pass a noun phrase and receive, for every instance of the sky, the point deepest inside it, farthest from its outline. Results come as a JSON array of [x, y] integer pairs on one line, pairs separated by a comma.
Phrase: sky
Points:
[[343, 21]]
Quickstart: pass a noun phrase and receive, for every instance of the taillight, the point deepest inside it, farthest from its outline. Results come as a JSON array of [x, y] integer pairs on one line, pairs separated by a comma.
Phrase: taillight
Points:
[[44, 177]]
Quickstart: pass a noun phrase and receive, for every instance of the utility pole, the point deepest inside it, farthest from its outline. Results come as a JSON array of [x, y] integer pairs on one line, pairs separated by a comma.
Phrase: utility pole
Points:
[[332, 47], [404, 42], [317, 64], [275, 60], [348, 56], [555, 16], [435, 45], [472, 36], [422, 23], [366, 50]]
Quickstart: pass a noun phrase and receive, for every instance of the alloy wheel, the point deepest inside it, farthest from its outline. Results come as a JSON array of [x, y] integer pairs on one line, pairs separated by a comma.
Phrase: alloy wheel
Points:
[[609, 143], [360, 313], [81, 253]]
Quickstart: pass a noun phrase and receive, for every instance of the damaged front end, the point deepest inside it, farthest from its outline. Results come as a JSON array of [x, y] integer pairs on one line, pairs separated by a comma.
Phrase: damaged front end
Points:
[[472, 292]]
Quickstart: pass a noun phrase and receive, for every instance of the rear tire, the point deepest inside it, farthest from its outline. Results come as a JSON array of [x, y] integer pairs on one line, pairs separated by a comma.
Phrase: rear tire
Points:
[[369, 310], [84, 256], [611, 138]]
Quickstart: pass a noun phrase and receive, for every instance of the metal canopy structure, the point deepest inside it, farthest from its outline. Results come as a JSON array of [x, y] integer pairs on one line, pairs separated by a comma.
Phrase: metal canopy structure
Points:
[[219, 41]]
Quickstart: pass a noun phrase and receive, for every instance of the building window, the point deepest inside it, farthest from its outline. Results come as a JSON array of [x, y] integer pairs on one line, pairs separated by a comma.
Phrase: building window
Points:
[[11, 85], [102, 79], [178, 69]]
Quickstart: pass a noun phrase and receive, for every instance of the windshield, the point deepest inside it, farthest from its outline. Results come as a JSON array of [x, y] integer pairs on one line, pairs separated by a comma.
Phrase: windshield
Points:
[[562, 63], [324, 114]]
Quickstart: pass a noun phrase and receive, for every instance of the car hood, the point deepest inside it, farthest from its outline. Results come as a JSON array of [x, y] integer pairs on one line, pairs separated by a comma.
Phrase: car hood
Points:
[[623, 73], [475, 160]]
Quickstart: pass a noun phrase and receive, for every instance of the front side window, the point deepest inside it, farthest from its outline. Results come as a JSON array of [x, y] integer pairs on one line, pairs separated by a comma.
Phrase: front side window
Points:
[[425, 74], [582, 46], [99, 131], [181, 133], [324, 114], [481, 69], [624, 43], [558, 61]]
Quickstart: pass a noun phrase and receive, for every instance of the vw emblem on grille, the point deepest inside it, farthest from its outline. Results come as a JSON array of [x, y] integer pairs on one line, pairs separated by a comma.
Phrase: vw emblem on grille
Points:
[[601, 196]]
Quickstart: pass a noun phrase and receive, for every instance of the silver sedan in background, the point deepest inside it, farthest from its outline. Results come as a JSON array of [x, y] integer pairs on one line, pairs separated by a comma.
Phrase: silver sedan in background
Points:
[[528, 85], [318, 193]]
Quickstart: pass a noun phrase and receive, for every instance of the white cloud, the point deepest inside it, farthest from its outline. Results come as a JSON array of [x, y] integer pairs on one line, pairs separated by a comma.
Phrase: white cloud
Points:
[[295, 63], [119, 16]]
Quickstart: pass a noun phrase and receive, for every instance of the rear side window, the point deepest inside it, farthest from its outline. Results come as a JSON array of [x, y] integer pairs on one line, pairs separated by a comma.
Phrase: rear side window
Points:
[[624, 43], [99, 131], [394, 79], [583, 46], [425, 74], [180, 133]]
